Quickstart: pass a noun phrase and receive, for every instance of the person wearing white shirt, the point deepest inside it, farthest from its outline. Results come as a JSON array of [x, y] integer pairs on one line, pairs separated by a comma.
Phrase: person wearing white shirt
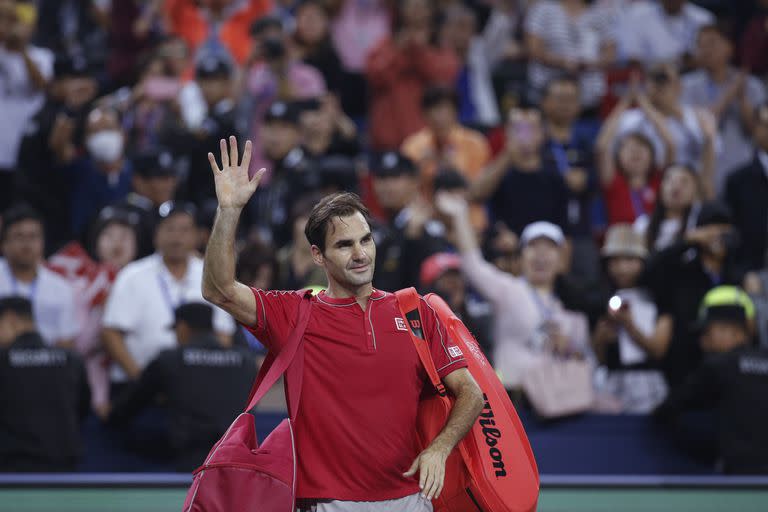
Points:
[[22, 274], [24, 73], [664, 30], [141, 304]]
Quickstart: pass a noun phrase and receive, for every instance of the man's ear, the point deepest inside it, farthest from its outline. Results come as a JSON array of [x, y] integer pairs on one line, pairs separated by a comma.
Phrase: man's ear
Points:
[[317, 256]]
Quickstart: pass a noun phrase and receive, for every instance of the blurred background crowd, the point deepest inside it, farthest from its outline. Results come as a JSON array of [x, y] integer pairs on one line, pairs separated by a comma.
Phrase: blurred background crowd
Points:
[[584, 182]]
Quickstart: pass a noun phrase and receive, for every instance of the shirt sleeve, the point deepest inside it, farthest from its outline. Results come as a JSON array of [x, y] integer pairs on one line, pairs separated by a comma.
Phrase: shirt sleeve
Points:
[[122, 311], [222, 321], [275, 316], [447, 356], [536, 20]]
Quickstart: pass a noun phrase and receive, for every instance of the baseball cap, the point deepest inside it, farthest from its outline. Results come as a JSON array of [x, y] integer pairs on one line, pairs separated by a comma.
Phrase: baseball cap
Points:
[[391, 163], [437, 265], [197, 315], [623, 240], [154, 163], [287, 112], [264, 23], [542, 229], [713, 212], [66, 66], [170, 208], [213, 66], [726, 303]]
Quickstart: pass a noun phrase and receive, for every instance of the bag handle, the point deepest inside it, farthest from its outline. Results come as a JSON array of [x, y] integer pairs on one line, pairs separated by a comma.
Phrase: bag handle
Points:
[[274, 366], [408, 302]]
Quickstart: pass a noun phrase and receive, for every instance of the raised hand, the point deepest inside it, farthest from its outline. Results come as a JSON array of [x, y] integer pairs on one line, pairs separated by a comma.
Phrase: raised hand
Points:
[[233, 185]]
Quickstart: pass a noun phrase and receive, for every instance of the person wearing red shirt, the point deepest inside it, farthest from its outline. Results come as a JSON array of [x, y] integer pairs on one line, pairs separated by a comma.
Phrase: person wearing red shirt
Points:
[[355, 428]]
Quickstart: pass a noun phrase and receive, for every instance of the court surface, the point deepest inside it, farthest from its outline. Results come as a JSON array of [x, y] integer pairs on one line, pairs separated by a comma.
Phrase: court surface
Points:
[[585, 499]]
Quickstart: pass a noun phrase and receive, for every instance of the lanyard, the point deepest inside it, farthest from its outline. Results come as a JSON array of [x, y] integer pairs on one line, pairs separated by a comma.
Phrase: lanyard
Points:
[[16, 287], [561, 159], [637, 201], [166, 293], [546, 311]]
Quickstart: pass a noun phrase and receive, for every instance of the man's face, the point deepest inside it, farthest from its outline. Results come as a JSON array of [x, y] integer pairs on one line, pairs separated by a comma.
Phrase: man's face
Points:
[[215, 89], [176, 236], [664, 88], [541, 260], [721, 337], [458, 31], [7, 18], [717, 240], [157, 189], [279, 138], [451, 287], [562, 103], [395, 192], [183, 332], [24, 243], [713, 50], [350, 252]]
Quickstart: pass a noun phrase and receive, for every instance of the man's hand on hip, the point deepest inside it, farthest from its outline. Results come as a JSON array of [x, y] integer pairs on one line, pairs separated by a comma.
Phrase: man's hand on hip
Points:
[[431, 467]]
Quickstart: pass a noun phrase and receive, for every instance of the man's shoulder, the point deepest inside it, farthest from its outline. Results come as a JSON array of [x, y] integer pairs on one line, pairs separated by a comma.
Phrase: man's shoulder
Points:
[[698, 14], [53, 281]]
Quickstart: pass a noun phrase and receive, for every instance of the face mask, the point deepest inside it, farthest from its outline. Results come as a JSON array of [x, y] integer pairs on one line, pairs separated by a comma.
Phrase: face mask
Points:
[[105, 146]]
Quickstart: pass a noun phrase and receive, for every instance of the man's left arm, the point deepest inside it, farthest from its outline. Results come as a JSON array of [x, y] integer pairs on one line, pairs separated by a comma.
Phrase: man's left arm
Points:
[[431, 462]]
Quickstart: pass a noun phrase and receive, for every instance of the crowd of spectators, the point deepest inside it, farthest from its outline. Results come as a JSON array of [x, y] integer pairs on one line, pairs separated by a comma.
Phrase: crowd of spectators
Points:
[[585, 183]]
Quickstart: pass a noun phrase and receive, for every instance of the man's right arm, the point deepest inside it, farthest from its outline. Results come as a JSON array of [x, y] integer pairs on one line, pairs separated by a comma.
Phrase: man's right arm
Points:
[[234, 187], [219, 284]]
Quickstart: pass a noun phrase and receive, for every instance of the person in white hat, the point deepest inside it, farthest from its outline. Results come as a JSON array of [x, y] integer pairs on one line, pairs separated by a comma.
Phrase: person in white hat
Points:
[[530, 323], [631, 335]]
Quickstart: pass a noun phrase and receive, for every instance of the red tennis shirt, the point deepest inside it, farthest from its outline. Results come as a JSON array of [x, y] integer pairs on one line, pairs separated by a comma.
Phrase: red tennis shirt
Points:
[[361, 386]]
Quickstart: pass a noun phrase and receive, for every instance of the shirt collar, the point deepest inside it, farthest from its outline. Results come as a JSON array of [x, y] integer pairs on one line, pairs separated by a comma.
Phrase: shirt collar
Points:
[[345, 301]]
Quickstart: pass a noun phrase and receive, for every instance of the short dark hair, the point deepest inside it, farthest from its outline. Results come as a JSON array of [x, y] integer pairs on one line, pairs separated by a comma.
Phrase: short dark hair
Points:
[[341, 204], [562, 78], [438, 94], [20, 306], [15, 215]]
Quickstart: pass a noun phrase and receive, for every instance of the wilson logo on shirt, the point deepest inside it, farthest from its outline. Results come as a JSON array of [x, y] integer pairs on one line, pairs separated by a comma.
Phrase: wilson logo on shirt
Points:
[[455, 351], [400, 324]]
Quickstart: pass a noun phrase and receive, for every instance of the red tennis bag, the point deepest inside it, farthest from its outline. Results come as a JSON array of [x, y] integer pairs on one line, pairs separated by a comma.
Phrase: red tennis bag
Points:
[[241, 475], [493, 469]]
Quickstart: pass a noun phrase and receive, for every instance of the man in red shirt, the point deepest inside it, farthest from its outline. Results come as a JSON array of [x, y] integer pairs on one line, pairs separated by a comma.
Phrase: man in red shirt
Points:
[[362, 377]]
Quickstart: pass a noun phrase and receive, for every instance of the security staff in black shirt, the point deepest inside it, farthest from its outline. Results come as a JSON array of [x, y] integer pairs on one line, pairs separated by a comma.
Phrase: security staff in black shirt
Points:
[[733, 379], [409, 234], [204, 384], [44, 395]]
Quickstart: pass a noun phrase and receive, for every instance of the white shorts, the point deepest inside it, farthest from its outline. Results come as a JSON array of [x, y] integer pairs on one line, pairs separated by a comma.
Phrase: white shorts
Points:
[[413, 503]]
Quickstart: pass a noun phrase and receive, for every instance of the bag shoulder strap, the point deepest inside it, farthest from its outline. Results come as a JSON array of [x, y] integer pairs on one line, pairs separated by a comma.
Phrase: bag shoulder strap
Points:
[[408, 301], [274, 366]]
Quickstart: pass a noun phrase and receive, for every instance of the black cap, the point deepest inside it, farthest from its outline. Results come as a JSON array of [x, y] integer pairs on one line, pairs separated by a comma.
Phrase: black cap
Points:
[[265, 22], [16, 304], [714, 212], [71, 67], [287, 112], [154, 164], [449, 179], [197, 315], [213, 66], [170, 208], [392, 163]]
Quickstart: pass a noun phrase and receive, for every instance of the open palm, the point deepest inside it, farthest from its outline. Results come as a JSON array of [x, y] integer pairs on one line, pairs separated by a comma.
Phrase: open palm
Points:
[[233, 185]]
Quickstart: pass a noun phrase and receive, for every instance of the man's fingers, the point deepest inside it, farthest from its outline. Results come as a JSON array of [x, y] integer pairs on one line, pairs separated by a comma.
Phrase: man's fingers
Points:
[[247, 154], [415, 466], [212, 161], [233, 153], [440, 483], [224, 154], [258, 175], [429, 482]]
